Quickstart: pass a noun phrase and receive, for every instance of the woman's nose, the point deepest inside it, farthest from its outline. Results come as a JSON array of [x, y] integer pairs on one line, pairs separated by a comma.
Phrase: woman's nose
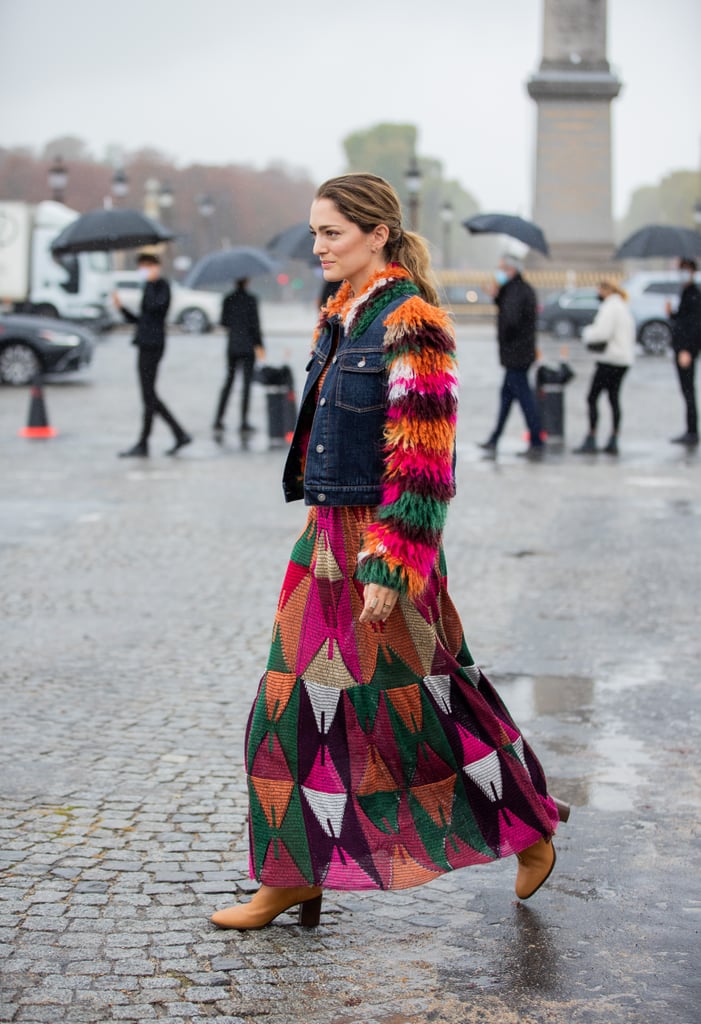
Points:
[[319, 245]]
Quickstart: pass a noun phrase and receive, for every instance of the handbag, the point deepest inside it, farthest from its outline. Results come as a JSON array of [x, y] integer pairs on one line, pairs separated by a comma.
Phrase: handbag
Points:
[[596, 346]]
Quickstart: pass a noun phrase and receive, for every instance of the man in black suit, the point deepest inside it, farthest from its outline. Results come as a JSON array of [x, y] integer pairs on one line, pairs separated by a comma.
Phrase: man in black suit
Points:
[[150, 339], [686, 342], [240, 316]]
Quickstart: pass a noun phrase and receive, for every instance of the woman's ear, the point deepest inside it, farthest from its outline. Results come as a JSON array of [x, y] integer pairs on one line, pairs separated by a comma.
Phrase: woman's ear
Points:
[[380, 235]]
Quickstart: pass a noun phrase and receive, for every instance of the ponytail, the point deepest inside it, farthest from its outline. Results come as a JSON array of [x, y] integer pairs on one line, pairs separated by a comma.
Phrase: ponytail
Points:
[[411, 252]]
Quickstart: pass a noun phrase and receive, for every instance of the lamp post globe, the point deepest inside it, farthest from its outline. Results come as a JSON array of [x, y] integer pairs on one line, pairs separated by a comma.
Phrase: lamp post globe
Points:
[[58, 179], [120, 184]]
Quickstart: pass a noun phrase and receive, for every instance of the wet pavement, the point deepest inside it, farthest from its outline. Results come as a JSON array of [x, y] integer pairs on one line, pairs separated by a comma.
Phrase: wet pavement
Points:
[[136, 606]]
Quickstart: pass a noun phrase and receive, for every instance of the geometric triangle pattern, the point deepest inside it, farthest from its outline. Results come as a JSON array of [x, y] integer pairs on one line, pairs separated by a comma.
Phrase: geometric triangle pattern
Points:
[[379, 757]]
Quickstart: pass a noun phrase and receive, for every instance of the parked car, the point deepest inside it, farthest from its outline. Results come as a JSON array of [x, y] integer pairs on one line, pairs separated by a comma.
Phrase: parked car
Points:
[[30, 345], [649, 291], [466, 295], [566, 312], [195, 310]]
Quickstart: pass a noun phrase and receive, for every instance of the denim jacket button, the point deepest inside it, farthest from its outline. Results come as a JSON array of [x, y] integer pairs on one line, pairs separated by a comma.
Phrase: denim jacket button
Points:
[[335, 359], [320, 448], [321, 497], [322, 401]]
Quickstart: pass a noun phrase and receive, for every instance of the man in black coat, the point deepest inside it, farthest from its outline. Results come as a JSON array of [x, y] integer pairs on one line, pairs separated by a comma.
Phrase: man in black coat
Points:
[[150, 340], [686, 341], [240, 316], [516, 332]]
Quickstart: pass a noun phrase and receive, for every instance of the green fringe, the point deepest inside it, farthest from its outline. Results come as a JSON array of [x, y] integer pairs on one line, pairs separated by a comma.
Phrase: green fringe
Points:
[[374, 570], [374, 308], [419, 511]]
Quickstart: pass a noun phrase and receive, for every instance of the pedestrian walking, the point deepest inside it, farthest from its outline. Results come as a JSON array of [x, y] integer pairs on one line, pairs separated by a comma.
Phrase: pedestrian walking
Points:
[[516, 333], [378, 754], [240, 316], [686, 340], [612, 334], [150, 340]]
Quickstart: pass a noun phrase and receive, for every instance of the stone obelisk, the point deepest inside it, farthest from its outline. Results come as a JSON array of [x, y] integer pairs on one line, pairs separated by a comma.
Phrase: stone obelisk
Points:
[[573, 89]]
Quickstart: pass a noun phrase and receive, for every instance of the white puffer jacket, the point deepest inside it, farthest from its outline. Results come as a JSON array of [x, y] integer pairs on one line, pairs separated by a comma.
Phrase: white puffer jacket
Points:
[[615, 325]]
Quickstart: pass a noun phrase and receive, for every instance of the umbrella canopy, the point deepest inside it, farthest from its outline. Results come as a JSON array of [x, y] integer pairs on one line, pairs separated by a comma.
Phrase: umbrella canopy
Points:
[[229, 265], [660, 240], [508, 224], [294, 243], [104, 230]]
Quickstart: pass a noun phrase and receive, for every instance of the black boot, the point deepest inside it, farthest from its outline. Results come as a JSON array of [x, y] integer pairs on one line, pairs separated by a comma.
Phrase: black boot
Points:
[[612, 446], [587, 447], [140, 450], [180, 442]]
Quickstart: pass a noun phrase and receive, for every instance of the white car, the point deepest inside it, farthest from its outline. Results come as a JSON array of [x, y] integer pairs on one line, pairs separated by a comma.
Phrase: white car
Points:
[[649, 291], [195, 310]]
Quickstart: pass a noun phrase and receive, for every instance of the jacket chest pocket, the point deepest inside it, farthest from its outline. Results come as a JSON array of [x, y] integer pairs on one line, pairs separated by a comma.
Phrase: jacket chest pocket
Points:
[[362, 382]]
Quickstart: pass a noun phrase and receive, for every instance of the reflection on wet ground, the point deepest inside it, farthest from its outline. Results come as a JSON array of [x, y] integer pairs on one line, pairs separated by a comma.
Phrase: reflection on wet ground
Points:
[[598, 763]]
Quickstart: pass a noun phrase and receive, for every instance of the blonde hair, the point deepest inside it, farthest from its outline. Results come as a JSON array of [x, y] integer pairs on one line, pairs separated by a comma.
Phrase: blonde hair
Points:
[[368, 200], [614, 288]]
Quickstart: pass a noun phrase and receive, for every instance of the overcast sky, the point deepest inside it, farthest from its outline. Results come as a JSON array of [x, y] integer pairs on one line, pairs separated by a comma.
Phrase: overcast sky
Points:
[[218, 81]]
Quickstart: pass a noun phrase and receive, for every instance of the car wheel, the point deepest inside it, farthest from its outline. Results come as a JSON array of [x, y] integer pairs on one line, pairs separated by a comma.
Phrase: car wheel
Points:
[[655, 337], [19, 364], [194, 321], [563, 328], [46, 309]]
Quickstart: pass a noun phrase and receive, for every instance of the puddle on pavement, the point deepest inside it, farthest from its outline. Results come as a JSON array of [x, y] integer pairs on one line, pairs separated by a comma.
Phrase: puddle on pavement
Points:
[[587, 733]]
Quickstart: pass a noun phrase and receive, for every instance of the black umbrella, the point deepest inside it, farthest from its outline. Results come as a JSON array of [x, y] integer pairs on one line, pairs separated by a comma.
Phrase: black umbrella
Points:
[[294, 243], [103, 230], [508, 224], [229, 265], [660, 240]]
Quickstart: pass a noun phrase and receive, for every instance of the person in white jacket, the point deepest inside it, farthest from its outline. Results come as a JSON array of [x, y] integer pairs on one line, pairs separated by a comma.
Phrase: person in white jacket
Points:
[[612, 336]]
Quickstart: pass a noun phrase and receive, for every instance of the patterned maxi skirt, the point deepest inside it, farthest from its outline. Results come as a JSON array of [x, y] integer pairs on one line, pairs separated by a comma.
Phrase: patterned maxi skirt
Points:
[[378, 756]]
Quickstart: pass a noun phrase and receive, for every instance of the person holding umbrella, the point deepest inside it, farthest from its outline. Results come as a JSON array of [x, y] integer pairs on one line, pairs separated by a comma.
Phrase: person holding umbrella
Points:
[[516, 332], [378, 754], [686, 341], [150, 339], [240, 316]]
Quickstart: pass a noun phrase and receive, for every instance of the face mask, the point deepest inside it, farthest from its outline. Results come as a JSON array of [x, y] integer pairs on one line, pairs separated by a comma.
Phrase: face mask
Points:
[[144, 273], [501, 277]]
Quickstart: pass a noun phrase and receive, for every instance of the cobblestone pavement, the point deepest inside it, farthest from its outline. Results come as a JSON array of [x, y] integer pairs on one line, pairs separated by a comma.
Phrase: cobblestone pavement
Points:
[[136, 606]]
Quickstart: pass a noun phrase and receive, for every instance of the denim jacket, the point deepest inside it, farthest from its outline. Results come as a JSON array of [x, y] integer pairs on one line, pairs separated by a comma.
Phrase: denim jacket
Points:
[[345, 426]]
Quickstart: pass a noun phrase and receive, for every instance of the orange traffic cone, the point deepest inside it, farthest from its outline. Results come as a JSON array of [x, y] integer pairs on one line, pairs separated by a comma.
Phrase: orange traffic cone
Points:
[[38, 425]]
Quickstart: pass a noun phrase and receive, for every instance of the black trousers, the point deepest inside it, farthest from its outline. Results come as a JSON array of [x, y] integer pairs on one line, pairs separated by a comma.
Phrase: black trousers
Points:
[[246, 362], [688, 388], [608, 378], [149, 358]]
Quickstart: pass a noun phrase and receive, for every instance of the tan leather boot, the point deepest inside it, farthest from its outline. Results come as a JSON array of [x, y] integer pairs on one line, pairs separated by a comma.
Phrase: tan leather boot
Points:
[[535, 864], [267, 903]]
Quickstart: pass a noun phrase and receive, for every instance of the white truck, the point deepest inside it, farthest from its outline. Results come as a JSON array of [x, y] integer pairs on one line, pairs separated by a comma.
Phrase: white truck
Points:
[[32, 280]]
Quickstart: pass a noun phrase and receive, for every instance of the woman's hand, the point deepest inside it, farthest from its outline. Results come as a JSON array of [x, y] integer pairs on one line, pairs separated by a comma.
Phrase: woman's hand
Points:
[[684, 359], [379, 603]]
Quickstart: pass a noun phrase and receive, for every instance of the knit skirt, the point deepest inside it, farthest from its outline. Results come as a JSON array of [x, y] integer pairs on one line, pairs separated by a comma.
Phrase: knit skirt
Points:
[[379, 756]]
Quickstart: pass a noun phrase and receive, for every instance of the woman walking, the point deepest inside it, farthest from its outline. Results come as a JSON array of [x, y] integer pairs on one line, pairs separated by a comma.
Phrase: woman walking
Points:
[[378, 755], [612, 334]]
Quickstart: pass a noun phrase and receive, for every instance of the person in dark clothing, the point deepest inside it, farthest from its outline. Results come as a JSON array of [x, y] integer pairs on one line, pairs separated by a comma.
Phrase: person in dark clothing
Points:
[[240, 316], [516, 327], [150, 339], [686, 341]]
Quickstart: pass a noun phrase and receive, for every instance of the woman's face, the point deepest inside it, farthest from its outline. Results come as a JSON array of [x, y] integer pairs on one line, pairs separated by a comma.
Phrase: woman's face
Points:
[[345, 251]]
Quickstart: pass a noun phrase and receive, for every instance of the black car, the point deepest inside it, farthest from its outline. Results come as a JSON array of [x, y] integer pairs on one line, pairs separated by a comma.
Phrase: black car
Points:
[[30, 345], [565, 313]]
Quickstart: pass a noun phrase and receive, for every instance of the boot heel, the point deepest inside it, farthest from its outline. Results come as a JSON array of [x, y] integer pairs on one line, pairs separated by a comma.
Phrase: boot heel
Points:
[[310, 912], [563, 809]]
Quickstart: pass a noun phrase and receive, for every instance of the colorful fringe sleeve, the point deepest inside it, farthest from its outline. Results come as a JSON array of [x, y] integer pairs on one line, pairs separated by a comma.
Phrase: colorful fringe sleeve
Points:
[[400, 547]]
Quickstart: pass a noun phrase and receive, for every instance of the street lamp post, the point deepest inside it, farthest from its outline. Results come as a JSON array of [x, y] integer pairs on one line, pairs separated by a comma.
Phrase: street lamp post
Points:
[[697, 215], [207, 208], [412, 180], [58, 179], [447, 214], [120, 184]]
